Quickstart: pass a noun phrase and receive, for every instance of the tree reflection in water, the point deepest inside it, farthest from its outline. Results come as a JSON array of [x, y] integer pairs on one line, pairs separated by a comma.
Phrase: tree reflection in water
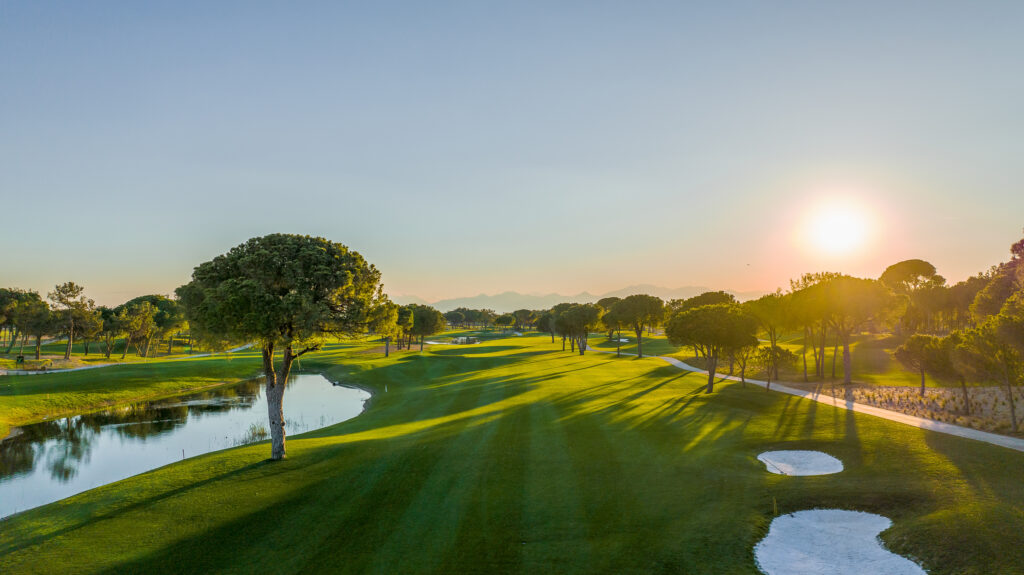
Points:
[[65, 444]]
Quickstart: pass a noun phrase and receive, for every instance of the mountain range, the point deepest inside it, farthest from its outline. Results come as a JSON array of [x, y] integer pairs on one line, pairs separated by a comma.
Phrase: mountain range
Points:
[[510, 301]]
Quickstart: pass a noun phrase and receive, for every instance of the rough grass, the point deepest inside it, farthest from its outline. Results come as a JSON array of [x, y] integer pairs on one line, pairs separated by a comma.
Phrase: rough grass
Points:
[[511, 456]]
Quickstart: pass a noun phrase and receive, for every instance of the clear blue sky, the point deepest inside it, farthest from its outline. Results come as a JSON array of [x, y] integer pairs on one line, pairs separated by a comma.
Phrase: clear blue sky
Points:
[[469, 147]]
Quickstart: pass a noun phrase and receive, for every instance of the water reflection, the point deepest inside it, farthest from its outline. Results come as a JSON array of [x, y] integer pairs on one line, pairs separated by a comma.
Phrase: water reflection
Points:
[[55, 459]]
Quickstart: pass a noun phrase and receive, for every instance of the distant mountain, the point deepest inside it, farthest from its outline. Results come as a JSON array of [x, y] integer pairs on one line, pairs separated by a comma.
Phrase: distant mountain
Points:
[[511, 301], [408, 299]]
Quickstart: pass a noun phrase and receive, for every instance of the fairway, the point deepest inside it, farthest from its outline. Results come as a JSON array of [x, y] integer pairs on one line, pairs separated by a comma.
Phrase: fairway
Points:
[[513, 456]]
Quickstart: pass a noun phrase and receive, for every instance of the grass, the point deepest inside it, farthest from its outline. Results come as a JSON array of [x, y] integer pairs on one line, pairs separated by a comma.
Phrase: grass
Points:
[[512, 456]]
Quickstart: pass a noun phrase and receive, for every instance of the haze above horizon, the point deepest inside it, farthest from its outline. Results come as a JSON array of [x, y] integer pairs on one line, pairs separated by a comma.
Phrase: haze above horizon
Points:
[[466, 148]]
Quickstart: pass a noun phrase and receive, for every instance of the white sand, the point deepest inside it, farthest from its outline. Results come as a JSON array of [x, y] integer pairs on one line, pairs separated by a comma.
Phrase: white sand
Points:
[[800, 462], [829, 542]]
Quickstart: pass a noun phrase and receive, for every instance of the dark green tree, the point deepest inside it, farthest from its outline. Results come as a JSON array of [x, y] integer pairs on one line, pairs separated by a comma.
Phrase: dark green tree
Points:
[[915, 352], [640, 311], [426, 321], [286, 292], [718, 329]]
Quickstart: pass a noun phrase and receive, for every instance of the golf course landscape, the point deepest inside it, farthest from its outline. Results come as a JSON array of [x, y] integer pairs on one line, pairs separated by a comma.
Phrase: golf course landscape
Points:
[[513, 456], [524, 288]]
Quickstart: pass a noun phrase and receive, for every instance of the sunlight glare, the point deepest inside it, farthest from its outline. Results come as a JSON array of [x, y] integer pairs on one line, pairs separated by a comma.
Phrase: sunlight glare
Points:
[[837, 228]]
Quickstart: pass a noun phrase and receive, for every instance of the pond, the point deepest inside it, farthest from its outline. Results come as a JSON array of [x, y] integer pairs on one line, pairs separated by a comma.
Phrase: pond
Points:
[[55, 459]]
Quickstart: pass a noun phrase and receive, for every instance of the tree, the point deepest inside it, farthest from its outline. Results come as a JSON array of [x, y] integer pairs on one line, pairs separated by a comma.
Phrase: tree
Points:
[[505, 320], [139, 323], [384, 323], [910, 278], [578, 320], [404, 325], [914, 354], [641, 311], [771, 357], [426, 321], [33, 318], [910, 275], [852, 303], [455, 317], [546, 323], [559, 323], [613, 322], [944, 363], [719, 329], [773, 314], [988, 357], [524, 318], [706, 298], [90, 324], [69, 302], [112, 328], [284, 291], [607, 303], [167, 318]]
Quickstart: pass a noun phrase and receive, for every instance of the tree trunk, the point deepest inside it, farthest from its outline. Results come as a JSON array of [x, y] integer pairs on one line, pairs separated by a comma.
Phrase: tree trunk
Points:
[[618, 344], [39, 346], [387, 346], [86, 347], [583, 344], [967, 399], [712, 365], [847, 366], [170, 345], [421, 343], [563, 343], [10, 344], [572, 345], [275, 398], [922, 381], [145, 348], [71, 339], [639, 329], [127, 340], [106, 347], [835, 352], [1013, 411], [805, 353], [552, 337]]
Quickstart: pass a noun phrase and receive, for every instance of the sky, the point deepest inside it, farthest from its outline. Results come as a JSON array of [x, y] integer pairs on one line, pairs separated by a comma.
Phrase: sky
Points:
[[478, 147]]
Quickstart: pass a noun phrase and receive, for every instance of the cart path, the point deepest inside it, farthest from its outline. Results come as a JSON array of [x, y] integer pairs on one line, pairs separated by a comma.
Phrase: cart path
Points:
[[939, 426]]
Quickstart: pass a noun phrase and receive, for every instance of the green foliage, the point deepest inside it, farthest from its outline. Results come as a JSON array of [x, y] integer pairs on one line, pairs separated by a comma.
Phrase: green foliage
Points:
[[910, 275], [639, 311], [282, 289], [505, 320], [426, 320], [718, 329]]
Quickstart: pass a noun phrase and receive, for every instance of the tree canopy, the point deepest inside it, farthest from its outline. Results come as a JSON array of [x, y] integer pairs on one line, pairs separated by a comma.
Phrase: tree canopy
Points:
[[286, 291], [718, 328]]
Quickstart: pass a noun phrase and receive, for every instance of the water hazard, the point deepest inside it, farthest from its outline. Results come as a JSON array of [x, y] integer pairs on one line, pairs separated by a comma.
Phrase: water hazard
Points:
[[52, 460]]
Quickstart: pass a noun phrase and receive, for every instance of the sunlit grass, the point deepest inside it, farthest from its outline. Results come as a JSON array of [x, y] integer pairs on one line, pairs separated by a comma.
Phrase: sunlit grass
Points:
[[512, 456]]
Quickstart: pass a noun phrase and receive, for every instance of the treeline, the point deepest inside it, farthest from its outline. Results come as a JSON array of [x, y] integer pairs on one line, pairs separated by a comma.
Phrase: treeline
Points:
[[66, 313], [972, 331]]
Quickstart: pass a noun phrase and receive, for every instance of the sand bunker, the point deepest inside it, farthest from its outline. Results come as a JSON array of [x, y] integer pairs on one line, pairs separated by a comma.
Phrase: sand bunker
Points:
[[829, 541], [800, 462]]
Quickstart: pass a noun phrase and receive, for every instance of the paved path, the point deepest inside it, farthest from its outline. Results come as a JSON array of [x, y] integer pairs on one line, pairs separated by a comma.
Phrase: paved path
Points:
[[941, 427], [40, 372]]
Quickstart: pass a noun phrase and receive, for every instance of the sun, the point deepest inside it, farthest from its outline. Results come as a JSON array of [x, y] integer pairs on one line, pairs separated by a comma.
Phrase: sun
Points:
[[837, 227]]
